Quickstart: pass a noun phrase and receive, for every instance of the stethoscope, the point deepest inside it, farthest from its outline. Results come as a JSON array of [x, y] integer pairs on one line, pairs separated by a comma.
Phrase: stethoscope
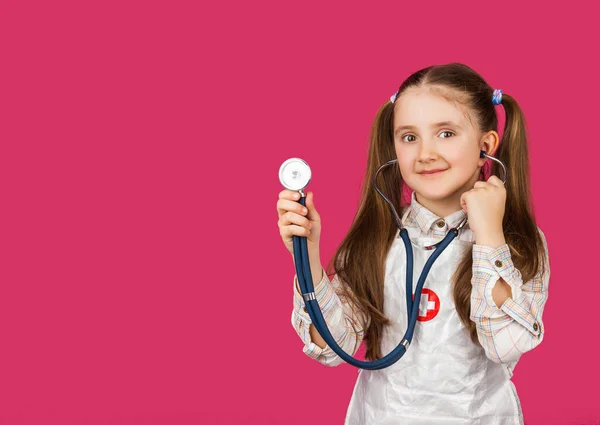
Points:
[[295, 174]]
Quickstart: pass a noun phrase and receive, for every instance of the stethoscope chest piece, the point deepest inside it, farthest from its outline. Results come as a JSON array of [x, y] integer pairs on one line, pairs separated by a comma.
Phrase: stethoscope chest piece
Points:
[[294, 174]]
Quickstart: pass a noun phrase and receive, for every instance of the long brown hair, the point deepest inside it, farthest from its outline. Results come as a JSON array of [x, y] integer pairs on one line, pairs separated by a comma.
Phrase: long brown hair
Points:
[[359, 261]]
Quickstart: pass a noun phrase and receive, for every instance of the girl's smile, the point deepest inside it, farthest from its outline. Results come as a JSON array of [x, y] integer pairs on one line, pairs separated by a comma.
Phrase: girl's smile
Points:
[[433, 173]]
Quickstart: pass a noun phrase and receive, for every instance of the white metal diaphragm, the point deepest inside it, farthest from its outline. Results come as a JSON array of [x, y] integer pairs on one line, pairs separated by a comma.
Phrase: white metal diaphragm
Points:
[[294, 174]]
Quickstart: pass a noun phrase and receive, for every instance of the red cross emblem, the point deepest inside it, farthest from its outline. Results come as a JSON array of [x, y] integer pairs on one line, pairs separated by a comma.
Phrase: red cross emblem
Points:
[[429, 306]]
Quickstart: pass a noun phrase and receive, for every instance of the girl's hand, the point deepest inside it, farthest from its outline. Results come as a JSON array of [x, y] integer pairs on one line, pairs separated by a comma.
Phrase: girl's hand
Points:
[[294, 221], [484, 205]]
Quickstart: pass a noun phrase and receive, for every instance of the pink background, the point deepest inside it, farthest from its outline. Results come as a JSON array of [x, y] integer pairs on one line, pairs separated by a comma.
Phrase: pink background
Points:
[[142, 276]]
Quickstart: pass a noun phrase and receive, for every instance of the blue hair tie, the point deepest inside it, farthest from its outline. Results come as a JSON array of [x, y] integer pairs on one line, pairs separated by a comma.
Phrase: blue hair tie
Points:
[[497, 97], [393, 97]]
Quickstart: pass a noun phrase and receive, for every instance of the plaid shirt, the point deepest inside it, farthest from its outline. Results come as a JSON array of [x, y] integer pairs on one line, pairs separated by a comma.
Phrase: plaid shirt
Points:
[[504, 332]]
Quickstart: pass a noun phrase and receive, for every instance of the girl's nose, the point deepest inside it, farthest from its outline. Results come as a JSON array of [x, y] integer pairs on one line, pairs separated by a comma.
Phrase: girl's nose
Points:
[[427, 151]]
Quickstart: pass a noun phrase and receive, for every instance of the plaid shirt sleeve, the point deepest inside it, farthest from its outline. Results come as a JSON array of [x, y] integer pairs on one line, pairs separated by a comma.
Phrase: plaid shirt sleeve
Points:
[[516, 327], [346, 327]]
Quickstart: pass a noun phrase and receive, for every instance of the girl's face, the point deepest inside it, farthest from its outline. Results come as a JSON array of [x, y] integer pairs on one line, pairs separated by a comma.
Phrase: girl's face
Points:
[[433, 133]]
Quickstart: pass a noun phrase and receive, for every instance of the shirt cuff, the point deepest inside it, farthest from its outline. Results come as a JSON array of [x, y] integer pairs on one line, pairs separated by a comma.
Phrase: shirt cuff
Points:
[[497, 263], [523, 316]]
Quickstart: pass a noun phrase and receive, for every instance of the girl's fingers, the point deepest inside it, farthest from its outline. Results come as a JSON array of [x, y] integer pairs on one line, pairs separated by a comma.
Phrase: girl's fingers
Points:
[[289, 194], [294, 230], [292, 218], [285, 205]]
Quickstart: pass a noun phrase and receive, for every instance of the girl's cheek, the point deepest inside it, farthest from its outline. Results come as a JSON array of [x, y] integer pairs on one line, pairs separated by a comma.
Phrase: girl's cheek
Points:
[[405, 166]]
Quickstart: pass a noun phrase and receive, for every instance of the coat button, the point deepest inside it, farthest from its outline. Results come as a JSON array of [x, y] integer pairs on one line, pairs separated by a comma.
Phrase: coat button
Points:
[[498, 263], [441, 223], [535, 327]]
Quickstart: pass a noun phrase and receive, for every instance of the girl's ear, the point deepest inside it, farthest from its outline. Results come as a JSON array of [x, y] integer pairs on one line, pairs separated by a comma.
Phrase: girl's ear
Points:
[[489, 143]]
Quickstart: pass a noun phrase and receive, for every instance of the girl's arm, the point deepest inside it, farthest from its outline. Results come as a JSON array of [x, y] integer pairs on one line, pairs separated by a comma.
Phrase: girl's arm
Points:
[[346, 327], [516, 326]]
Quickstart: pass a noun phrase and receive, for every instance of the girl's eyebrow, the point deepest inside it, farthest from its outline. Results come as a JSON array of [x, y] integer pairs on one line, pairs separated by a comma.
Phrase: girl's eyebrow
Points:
[[436, 125]]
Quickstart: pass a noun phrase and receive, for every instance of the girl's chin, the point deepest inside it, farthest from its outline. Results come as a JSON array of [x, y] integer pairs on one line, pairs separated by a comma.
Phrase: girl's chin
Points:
[[434, 193]]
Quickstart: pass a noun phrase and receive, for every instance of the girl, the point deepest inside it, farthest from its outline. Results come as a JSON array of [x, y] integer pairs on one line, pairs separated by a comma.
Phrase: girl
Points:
[[483, 300]]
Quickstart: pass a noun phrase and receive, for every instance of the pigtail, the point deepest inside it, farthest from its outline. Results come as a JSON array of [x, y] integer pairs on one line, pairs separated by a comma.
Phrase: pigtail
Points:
[[519, 223], [513, 151]]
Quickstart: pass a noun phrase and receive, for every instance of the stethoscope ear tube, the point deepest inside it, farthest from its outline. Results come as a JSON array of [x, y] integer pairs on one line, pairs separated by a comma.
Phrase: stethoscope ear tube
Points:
[[485, 155]]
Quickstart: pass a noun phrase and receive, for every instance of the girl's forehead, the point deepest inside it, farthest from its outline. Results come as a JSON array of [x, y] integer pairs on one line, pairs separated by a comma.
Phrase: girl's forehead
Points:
[[421, 106]]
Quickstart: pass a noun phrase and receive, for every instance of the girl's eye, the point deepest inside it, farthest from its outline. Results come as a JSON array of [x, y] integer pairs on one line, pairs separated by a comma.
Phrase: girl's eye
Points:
[[443, 134]]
